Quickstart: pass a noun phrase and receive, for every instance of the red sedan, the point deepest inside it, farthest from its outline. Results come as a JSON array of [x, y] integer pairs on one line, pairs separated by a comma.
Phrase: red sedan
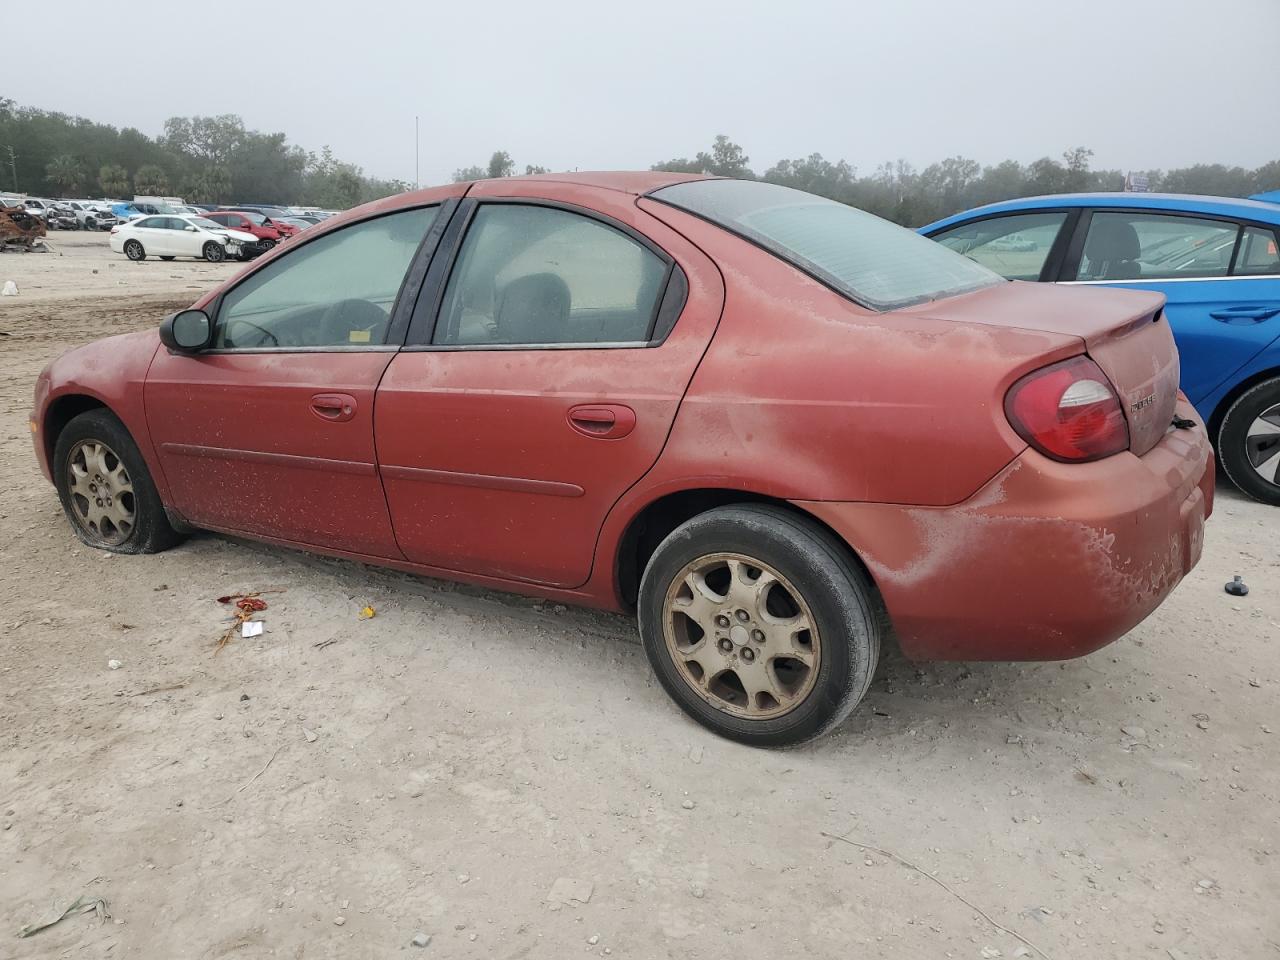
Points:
[[777, 428], [268, 231]]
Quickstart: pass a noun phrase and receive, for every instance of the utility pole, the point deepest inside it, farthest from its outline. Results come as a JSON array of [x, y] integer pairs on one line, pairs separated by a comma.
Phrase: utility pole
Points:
[[415, 151], [13, 165]]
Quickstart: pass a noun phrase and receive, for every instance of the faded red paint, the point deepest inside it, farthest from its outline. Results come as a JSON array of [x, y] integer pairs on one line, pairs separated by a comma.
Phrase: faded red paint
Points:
[[888, 427]]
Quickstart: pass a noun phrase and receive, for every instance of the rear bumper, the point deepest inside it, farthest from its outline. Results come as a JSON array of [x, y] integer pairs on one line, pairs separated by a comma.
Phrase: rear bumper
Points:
[[1047, 561]]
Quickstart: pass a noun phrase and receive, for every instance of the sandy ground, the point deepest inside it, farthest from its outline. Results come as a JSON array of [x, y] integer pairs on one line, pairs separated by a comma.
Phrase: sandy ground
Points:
[[436, 769]]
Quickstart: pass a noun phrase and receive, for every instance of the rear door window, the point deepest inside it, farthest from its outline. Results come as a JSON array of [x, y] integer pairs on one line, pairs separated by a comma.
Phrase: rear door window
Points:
[[1016, 247], [541, 275], [1258, 254], [1155, 246]]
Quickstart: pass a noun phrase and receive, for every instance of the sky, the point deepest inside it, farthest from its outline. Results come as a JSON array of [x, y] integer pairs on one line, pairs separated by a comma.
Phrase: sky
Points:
[[608, 85]]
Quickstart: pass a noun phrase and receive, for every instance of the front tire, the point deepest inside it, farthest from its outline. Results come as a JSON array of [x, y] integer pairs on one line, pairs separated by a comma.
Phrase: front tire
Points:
[[215, 252], [133, 250], [760, 625], [1249, 442], [107, 492]]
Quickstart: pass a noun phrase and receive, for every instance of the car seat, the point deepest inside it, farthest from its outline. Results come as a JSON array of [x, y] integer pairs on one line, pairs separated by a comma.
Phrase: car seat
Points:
[[1112, 249], [533, 309]]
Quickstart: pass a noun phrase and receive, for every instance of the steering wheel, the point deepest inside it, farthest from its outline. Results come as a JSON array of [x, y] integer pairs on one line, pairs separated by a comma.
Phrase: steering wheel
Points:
[[275, 342]]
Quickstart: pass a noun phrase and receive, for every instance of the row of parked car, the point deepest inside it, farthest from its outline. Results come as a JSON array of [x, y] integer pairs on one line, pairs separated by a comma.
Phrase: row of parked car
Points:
[[167, 227]]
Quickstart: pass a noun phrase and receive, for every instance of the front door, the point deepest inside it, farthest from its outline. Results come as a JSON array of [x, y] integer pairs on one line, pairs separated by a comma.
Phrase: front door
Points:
[[270, 432], [544, 384]]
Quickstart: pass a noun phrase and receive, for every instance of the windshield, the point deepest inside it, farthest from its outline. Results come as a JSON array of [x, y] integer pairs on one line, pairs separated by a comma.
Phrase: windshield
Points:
[[871, 261], [204, 224], [255, 218]]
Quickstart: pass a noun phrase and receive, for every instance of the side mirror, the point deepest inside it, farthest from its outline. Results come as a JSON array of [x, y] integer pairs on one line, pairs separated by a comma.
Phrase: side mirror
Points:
[[187, 331], [190, 228]]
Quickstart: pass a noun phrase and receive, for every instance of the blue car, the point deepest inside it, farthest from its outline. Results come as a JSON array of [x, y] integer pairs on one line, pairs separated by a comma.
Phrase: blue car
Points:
[[1216, 260]]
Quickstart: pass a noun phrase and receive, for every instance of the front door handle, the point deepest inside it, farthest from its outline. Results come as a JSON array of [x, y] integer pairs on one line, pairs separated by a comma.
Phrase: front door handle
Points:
[[334, 407], [603, 421], [1251, 314]]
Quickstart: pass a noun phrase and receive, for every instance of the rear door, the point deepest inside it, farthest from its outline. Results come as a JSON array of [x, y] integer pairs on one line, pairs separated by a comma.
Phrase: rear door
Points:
[[1221, 279], [540, 380]]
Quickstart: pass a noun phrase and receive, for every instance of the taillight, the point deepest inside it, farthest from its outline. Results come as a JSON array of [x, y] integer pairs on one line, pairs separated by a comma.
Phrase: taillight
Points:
[[1068, 411]]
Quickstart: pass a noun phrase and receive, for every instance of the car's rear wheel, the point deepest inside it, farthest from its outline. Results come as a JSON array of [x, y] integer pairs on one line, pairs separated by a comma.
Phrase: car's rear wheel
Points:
[[759, 624], [215, 252], [1249, 442], [133, 250], [106, 490]]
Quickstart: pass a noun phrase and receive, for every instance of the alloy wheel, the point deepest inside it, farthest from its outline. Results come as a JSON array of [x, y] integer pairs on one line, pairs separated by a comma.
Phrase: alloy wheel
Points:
[[101, 492], [742, 636], [1262, 444]]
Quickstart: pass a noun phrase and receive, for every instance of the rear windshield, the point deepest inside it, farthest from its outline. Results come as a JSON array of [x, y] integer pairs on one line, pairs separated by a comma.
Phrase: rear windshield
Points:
[[872, 261]]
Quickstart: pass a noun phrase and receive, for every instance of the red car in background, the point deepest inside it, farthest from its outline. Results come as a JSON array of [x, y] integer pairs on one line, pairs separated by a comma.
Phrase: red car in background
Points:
[[268, 231], [781, 430]]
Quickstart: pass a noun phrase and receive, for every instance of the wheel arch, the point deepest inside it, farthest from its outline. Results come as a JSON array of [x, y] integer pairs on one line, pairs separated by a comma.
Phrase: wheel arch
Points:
[[1235, 393], [656, 519], [61, 411]]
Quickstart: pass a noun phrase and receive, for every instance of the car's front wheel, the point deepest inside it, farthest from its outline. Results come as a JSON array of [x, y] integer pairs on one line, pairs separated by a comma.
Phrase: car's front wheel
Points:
[[133, 250], [759, 624], [107, 492], [1249, 442], [215, 252]]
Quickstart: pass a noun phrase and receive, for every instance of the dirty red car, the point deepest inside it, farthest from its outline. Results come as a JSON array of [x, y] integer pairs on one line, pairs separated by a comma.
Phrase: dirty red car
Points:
[[268, 232], [779, 429]]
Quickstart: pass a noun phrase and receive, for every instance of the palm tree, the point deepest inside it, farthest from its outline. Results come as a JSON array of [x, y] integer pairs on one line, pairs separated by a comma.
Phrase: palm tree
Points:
[[114, 180], [65, 173]]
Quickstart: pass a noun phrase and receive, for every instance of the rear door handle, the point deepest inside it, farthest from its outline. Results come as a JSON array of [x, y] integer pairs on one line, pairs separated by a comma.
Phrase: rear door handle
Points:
[[1253, 314], [334, 407], [603, 421]]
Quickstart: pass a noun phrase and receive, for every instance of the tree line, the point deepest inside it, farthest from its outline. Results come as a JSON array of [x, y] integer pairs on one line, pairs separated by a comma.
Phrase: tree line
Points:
[[899, 192], [218, 160], [202, 159]]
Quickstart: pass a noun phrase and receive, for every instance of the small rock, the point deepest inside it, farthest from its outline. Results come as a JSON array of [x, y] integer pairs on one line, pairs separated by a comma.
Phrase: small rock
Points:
[[698, 890], [464, 878], [309, 734], [593, 940], [688, 804], [345, 904], [1202, 724], [560, 608], [339, 921], [695, 753], [114, 664], [1205, 884], [990, 953], [244, 697], [415, 792], [569, 890], [1253, 682], [1138, 733], [560, 756], [421, 940]]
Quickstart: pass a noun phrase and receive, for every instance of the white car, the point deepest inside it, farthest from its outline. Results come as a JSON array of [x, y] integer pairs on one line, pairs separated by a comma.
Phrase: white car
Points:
[[167, 237]]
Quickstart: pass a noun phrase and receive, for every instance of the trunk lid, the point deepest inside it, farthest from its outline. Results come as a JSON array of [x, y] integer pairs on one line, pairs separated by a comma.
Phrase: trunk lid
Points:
[[1124, 332]]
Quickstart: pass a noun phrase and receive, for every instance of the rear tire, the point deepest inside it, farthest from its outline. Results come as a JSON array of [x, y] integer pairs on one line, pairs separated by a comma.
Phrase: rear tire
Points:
[[793, 625], [215, 252], [133, 250], [1249, 442], [107, 492]]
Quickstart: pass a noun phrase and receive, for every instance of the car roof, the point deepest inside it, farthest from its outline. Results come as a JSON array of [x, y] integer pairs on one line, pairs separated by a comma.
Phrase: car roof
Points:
[[1180, 202]]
